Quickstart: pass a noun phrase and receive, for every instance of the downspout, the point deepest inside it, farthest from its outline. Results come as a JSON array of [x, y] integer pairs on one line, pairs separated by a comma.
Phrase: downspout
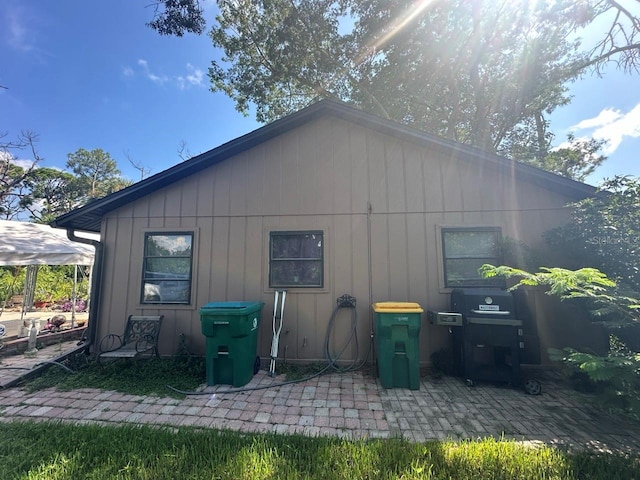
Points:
[[96, 281]]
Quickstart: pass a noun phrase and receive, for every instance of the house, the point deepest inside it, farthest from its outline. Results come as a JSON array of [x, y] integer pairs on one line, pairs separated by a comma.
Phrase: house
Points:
[[324, 202]]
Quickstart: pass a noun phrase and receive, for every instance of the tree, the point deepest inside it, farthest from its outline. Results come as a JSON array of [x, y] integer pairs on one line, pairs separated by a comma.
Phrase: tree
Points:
[[621, 41], [485, 73], [177, 17], [469, 71], [604, 232], [97, 173], [575, 159], [51, 193], [45, 193], [12, 175], [144, 171]]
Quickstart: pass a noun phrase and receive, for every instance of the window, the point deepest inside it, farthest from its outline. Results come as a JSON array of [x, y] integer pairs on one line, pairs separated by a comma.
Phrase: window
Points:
[[465, 250], [296, 259], [166, 276]]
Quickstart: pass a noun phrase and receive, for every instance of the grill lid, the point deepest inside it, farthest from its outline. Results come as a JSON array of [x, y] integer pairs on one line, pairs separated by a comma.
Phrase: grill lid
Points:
[[481, 302]]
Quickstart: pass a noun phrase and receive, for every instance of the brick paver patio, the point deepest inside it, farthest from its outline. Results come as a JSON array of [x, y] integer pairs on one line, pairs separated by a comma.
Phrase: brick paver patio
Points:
[[352, 405]]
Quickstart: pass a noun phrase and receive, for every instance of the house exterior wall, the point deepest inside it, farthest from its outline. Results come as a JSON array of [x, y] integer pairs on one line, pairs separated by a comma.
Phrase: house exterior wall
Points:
[[380, 202]]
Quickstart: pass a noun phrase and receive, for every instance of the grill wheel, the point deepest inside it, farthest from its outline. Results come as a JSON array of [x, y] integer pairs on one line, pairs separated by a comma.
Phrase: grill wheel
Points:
[[532, 386]]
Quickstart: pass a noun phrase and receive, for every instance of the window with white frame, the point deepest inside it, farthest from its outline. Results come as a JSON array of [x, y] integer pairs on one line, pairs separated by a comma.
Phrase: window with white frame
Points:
[[296, 259], [167, 268], [465, 250]]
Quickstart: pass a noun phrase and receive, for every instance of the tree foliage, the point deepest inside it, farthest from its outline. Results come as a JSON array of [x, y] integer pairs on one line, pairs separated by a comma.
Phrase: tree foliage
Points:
[[177, 17], [606, 302], [43, 193], [619, 42], [12, 175], [52, 193], [96, 172], [469, 71], [485, 73], [577, 158], [617, 374], [604, 231]]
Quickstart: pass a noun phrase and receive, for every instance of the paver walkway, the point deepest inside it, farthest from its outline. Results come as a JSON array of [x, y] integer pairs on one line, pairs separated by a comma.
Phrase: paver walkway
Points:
[[353, 406], [13, 366]]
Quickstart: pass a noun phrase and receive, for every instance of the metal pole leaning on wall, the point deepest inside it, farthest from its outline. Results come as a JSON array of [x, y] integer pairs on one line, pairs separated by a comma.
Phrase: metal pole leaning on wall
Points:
[[277, 328]]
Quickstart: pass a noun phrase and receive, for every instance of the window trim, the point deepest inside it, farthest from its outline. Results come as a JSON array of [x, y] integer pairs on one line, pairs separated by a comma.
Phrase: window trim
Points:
[[443, 255], [270, 259], [192, 276]]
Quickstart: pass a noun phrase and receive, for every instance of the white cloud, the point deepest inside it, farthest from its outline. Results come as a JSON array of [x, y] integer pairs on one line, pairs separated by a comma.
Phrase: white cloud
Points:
[[193, 76], [16, 33], [159, 79], [8, 157], [611, 125]]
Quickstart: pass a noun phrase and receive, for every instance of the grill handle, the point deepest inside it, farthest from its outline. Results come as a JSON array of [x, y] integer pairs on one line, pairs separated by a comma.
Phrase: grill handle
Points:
[[491, 312]]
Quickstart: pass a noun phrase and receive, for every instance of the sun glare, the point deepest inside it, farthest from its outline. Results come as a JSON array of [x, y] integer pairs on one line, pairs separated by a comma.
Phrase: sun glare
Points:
[[398, 24]]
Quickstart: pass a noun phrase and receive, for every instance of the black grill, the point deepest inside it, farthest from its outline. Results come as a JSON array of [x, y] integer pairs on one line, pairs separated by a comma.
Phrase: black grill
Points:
[[488, 344]]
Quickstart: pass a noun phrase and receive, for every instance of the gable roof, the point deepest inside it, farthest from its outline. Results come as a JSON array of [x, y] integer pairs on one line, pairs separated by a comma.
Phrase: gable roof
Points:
[[89, 217]]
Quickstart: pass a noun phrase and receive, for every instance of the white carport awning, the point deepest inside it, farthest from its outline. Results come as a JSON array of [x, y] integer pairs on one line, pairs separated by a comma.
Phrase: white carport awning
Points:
[[23, 243]]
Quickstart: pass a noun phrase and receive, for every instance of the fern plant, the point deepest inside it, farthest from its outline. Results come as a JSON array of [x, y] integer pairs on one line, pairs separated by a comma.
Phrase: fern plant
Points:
[[616, 375]]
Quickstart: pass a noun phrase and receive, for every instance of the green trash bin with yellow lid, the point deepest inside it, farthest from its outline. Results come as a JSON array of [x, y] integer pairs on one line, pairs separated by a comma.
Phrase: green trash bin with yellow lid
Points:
[[397, 329]]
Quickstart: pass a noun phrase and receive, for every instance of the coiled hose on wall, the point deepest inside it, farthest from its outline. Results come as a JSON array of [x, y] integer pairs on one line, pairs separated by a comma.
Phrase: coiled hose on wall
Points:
[[344, 301]]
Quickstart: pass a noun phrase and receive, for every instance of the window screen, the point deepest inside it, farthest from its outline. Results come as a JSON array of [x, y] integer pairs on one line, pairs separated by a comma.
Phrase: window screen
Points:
[[296, 259]]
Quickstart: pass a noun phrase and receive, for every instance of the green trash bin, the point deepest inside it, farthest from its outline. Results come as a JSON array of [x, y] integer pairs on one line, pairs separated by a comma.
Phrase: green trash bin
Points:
[[231, 329], [397, 327]]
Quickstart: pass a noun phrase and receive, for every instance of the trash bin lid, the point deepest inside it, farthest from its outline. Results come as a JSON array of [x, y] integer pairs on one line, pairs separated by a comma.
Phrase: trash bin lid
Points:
[[237, 308], [397, 307]]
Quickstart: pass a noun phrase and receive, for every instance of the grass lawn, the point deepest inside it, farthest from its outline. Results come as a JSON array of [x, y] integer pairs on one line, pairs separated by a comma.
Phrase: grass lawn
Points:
[[144, 377], [57, 451]]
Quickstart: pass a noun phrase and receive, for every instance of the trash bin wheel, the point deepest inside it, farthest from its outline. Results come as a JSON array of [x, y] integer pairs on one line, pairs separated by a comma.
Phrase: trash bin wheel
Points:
[[532, 386], [256, 365], [469, 382]]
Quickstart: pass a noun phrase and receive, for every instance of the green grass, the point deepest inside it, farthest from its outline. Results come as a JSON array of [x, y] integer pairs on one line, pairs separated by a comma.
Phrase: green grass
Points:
[[142, 377], [57, 451]]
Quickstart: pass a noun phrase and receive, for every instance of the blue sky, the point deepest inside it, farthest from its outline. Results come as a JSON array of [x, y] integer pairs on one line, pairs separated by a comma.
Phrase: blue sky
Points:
[[92, 75]]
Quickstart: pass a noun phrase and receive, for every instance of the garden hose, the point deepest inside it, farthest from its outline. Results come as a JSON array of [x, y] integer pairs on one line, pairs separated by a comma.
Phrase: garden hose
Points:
[[49, 362], [345, 301], [52, 362]]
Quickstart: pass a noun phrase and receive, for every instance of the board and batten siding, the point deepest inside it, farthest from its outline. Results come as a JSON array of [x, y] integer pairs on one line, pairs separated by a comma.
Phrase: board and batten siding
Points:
[[379, 200]]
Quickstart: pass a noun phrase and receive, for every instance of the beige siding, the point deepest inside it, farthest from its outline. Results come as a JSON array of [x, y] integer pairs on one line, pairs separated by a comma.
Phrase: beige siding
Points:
[[324, 175]]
